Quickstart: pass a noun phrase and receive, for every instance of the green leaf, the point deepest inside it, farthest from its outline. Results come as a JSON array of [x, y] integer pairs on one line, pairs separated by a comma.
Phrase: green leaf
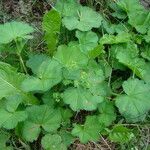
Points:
[[81, 20], [10, 84], [30, 131], [107, 111], [87, 40], [13, 30], [12, 102], [90, 131], [128, 55], [130, 6], [135, 104], [48, 99], [71, 57], [53, 142], [146, 52], [118, 13], [48, 74], [40, 116], [98, 50], [3, 140], [66, 114], [147, 37], [133, 9], [91, 76], [114, 28], [121, 134], [35, 61], [51, 25], [122, 37], [105, 66], [67, 137], [9, 120], [141, 23], [9, 80], [90, 89], [79, 98], [67, 7]]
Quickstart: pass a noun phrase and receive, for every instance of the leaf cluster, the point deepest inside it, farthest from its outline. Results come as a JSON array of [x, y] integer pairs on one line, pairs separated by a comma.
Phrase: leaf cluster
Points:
[[102, 67]]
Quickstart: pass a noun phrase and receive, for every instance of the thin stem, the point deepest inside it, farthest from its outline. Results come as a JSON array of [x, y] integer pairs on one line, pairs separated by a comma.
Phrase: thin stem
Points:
[[115, 94], [109, 81], [22, 63], [19, 49]]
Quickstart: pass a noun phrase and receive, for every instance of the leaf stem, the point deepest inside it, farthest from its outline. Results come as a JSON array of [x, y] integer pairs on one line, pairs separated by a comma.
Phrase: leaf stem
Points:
[[115, 94], [19, 49], [22, 63]]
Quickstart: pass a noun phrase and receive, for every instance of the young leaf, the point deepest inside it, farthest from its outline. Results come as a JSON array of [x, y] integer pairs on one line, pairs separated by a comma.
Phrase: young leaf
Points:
[[48, 99], [89, 131], [122, 37], [53, 142], [128, 54], [80, 98], [40, 116], [87, 40], [141, 23], [114, 28], [147, 37], [10, 84], [146, 52], [12, 102], [133, 9], [35, 61], [67, 137], [82, 19], [66, 114], [98, 50], [71, 57], [107, 111], [91, 76], [67, 7], [9, 80], [9, 120], [130, 6], [121, 134], [48, 74], [13, 30], [135, 104], [51, 25]]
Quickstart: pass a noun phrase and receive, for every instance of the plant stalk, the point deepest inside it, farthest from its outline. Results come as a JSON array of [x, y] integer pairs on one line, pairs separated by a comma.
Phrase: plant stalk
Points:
[[22, 63]]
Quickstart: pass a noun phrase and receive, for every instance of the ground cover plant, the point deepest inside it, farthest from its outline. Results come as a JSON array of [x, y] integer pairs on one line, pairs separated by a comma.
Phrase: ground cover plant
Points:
[[91, 82]]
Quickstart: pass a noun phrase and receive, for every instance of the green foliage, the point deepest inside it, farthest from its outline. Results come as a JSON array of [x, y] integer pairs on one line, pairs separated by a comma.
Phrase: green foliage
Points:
[[78, 98], [3, 140], [10, 84], [78, 17], [13, 31], [51, 25], [46, 75], [89, 131], [140, 23], [87, 40], [53, 142], [93, 83], [40, 116], [107, 113], [111, 39], [120, 134], [134, 105]]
